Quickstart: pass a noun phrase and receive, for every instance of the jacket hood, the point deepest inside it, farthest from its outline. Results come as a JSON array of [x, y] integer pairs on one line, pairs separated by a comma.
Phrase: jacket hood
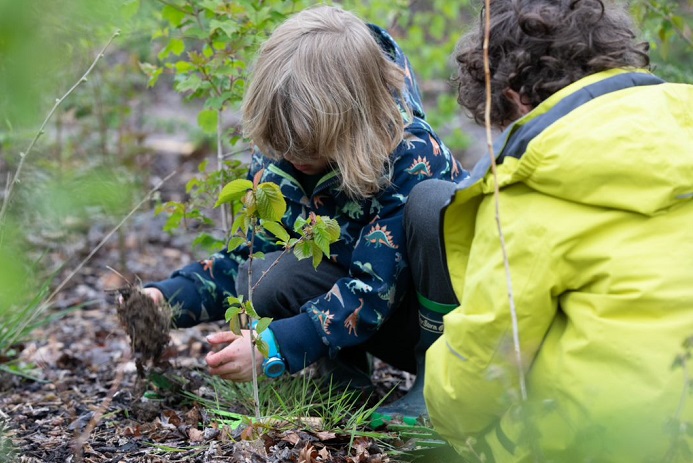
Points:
[[619, 139]]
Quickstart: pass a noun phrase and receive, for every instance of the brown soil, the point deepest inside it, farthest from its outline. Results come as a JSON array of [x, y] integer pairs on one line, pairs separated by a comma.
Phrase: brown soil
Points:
[[147, 325]]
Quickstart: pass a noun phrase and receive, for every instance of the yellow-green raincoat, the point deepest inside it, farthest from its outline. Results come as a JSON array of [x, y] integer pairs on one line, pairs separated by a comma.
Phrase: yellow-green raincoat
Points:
[[596, 206]]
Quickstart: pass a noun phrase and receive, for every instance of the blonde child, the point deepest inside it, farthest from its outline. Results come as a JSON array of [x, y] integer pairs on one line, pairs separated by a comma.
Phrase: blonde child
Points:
[[335, 112]]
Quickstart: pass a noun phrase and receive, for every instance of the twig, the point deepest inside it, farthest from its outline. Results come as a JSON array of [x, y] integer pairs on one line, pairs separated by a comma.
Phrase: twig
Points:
[[496, 194], [78, 444], [41, 131], [274, 264], [220, 167], [252, 335], [234, 153], [45, 304]]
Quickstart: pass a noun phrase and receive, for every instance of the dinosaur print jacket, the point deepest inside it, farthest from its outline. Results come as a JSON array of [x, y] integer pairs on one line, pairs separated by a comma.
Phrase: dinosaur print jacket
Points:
[[371, 245]]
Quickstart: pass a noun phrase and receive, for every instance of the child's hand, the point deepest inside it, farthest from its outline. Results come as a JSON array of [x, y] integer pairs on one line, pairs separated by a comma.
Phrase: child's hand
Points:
[[234, 362], [154, 294]]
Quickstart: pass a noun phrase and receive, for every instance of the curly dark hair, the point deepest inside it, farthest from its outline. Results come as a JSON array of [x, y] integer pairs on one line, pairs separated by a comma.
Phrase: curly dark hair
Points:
[[538, 47]]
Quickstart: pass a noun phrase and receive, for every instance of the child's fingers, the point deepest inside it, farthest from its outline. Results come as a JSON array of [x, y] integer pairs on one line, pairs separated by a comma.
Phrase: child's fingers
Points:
[[221, 358], [228, 371], [222, 337]]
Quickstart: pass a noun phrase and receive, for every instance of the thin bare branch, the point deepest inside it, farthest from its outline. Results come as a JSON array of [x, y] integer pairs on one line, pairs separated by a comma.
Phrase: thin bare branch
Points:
[[251, 331], [41, 131], [274, 264], [220, 167], [496, 193]]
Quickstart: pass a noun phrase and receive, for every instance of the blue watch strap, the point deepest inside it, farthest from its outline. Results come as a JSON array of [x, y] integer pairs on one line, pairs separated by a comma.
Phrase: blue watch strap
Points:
[[274, 365]]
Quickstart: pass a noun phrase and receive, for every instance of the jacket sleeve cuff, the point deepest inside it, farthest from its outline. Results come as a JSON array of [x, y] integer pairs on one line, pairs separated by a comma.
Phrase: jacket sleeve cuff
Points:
[[298, 341]]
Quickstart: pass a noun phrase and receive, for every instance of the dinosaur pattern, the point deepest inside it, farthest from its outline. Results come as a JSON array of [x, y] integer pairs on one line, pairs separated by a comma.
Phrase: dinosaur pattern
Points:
[[420, 168], [353, 209], [323, 318], [336, 293], [367, 268], [358, 285], [380, 236], [352, 321], [370, 249]]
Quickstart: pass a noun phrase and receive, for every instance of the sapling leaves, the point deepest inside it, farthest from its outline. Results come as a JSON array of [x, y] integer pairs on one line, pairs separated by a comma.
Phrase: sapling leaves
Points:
[[234, 191], [233, 319], [241, 223], [235, 242], [270, 202], [250, 309], [277, 229], [317, 234]]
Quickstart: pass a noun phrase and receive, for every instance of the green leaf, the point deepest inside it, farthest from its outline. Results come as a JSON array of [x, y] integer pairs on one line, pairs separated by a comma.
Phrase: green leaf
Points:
[[240, 223], [189, 83], [332, 227], [321, 238], [207, 119], [276, 229], [317, 254], [218, 102], [232, 312], [152, 72], [302, 250], [130, 8], [235, 243], [227, 26], [262, 324], [235, 326], [299, 224], [173, 15], [175, 46], [208, 242], [271, 204], [234, 191], [250, 309], [262, 347], [183, 66], [678, 22], [258, 255]]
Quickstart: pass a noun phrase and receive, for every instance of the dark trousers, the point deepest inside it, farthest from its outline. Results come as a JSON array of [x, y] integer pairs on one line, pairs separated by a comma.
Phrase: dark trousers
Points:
[[292, 282]]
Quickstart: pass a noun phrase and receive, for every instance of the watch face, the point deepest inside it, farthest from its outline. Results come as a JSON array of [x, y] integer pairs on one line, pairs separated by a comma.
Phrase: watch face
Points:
[[274, 367]]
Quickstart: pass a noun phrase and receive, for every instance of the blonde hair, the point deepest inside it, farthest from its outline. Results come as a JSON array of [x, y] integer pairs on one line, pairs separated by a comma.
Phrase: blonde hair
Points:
[[322, 88]]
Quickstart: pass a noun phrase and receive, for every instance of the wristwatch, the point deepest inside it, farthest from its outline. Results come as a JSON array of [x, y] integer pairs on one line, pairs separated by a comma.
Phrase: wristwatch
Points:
[[274, 365]]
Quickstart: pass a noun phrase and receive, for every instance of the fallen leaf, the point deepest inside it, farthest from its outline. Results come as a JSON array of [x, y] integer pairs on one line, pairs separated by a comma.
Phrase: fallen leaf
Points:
[[325, 435], [195, 435], [325, 454], [292, 438], [307, 454]]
